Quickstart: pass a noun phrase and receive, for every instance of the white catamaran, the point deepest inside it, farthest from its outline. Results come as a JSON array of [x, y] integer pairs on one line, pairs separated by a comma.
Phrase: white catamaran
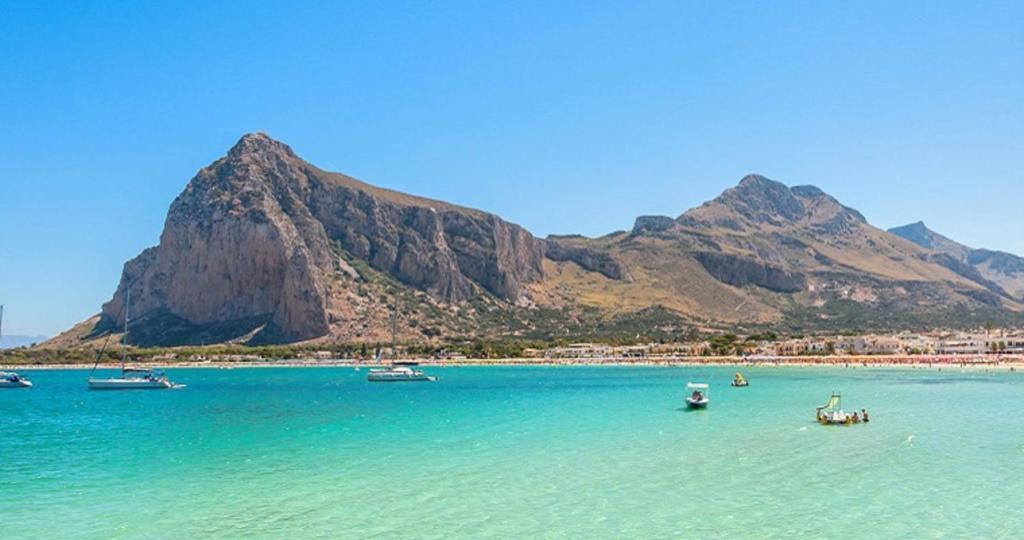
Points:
[[399, 370], [9, 379], [132, 378]]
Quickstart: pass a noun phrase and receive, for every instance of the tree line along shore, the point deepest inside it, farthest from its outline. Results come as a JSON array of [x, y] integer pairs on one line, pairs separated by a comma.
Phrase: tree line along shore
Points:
[[986, 345], [311, 357]]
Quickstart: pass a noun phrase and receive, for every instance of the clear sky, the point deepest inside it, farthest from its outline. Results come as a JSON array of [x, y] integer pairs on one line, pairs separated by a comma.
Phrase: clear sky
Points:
[[572, 117]]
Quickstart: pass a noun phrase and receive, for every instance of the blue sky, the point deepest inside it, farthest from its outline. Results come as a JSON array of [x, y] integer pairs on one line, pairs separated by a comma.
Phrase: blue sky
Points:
[[574, 117]]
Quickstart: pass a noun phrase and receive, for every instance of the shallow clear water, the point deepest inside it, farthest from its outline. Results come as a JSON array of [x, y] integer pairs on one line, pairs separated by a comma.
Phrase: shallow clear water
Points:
[[514, 452]]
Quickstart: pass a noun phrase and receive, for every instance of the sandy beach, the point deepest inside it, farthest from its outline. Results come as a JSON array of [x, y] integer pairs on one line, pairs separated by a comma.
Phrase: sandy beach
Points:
[[987, 362]]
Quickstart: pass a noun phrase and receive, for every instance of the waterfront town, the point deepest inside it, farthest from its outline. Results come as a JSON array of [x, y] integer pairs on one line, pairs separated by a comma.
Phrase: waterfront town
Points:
[[983, 346], [1001, 342]]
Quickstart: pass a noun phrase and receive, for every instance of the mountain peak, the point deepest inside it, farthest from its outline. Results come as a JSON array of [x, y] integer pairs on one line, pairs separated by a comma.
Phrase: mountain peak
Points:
[[762, 199], [754, 179], [259, 143], [997, 271], [917, 226], [921, 235], [917, 232], [758, 200]]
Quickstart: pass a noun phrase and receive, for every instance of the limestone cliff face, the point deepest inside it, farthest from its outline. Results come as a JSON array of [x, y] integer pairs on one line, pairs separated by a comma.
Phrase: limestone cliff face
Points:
[[587, 258], [255, 237], [739, 271]]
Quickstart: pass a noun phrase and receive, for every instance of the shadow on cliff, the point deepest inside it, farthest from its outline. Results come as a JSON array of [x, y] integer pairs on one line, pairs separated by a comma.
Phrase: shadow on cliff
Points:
[[164, 329]]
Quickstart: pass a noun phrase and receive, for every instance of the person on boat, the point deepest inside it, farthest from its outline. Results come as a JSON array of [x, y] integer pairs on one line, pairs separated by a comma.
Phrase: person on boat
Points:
[[864, 414], [697, 396]]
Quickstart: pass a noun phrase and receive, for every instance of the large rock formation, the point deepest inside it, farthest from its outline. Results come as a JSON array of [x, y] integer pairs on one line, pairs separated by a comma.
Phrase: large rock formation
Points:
[[257, 237]]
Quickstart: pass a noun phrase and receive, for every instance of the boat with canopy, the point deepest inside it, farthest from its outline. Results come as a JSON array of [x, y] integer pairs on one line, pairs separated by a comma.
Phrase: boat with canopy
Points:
[[698, 395]]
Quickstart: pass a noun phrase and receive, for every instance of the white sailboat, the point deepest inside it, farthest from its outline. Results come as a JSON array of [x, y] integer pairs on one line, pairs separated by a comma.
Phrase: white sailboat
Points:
[[10, 379], [398, 371], [132, 378]]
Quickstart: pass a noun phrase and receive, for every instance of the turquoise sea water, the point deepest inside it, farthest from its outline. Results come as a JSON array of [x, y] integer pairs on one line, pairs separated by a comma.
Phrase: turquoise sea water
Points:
[[514, 452]]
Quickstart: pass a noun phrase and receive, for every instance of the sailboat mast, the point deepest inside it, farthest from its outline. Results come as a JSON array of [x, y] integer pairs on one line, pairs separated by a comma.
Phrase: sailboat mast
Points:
[[124, 340], [1, 326], [394, 328]]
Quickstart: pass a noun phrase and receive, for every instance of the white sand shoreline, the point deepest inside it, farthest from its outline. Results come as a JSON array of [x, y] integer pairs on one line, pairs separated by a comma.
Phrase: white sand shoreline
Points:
[[988, 362]]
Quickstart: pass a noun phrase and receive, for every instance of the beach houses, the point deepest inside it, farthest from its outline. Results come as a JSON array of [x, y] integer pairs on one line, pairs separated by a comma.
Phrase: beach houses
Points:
[[580, 350]]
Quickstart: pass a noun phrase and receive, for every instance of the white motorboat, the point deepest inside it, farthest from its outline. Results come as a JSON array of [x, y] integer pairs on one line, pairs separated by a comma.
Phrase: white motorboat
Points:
[[10, 379], [13, 380], [399, 372], [698, 395], [132, 378]]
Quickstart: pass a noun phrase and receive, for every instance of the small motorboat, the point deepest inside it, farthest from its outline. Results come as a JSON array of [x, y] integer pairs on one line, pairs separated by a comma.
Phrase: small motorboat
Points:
[[739, 380], [13, 380], [9, 379], [697, 395], [399, 372]]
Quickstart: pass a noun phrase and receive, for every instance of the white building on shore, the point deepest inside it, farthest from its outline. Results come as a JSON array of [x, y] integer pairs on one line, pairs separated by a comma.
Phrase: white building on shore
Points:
[[580, 350], [976, 344]]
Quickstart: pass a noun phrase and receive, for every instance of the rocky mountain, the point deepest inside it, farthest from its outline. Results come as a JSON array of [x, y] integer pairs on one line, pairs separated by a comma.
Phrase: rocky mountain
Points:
[[998, 271], [764, 254], [263, 247]]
